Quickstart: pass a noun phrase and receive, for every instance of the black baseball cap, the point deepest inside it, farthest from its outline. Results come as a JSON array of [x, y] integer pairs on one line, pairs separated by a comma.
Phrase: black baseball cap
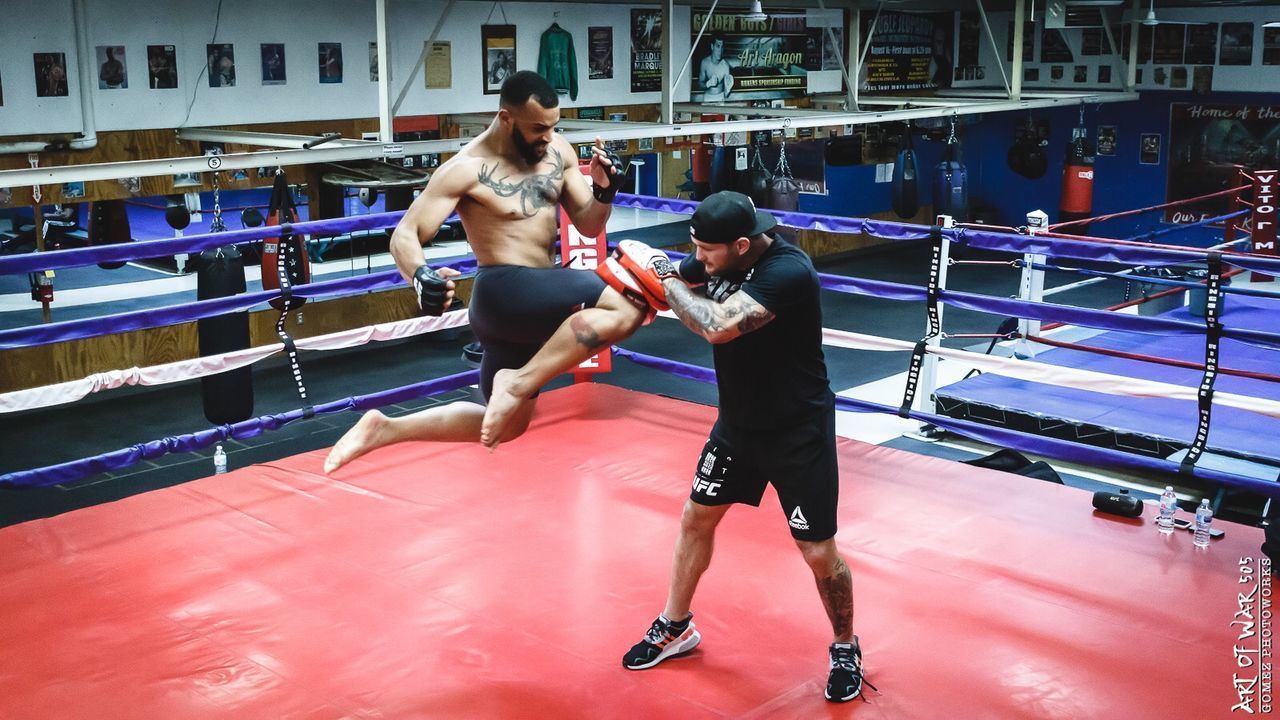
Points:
[[727, 216]]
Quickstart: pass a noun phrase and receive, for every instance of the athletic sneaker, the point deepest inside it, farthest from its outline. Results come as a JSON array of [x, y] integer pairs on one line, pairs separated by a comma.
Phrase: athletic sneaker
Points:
[[845, 681], [665, 639]]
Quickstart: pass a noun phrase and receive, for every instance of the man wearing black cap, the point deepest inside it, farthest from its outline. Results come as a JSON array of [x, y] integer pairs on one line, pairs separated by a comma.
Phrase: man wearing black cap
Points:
[[759, 305]]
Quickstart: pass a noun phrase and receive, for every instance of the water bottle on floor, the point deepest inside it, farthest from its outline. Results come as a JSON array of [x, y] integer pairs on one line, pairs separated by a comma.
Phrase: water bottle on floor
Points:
[[219, 460], [1168, 508], [1204, 519]]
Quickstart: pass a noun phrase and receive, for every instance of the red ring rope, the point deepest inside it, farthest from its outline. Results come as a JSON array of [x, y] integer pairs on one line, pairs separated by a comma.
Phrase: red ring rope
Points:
[[1112, 216], [1151, 358]]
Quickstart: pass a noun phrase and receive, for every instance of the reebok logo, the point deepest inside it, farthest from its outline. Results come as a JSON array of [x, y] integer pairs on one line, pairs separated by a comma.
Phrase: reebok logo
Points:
[[798, 520]]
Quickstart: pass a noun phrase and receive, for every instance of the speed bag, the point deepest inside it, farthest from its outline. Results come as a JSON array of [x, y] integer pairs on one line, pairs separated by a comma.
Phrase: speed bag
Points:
[[951, 190], [228, 395], [906, 194]]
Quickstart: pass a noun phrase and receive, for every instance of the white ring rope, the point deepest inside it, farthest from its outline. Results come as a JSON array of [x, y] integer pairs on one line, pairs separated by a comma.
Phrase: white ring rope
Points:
[[72, 390]]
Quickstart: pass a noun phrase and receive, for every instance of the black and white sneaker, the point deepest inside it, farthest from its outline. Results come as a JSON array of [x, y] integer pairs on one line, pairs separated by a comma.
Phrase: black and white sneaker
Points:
[[844, 683], [663, 640]]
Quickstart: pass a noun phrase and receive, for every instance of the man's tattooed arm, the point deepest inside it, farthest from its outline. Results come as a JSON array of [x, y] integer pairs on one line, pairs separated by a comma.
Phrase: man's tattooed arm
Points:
[[718, 322]]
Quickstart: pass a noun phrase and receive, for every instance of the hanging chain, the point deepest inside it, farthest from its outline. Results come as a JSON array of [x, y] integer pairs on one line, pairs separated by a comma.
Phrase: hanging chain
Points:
[[217, 225]]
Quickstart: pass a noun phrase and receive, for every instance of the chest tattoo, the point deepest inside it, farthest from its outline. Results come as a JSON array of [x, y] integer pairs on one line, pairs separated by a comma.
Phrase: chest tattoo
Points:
[[535, 192]]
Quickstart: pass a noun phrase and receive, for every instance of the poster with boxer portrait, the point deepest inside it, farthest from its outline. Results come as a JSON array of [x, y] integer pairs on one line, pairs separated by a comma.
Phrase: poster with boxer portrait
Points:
[[1209, 145], [497, 55], [646, 50], [782, 56], [600, 53]]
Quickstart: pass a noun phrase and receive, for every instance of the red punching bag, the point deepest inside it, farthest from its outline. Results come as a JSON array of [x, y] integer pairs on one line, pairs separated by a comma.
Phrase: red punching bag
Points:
[[1077, 179], [289, 252]]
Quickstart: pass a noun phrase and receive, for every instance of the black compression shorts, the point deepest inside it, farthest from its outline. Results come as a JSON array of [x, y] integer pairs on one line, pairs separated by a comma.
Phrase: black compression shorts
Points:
[[799, 460], [515, 309]]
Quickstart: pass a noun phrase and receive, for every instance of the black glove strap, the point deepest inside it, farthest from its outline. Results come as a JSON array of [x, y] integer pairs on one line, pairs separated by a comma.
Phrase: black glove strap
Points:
[[616, 174]]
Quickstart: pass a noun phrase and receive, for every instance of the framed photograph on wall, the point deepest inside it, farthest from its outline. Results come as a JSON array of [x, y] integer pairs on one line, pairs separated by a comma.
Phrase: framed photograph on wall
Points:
[[1107, 140], [162, 67], [1149, 150], [498, 55], [600, 53], [112, 73], [222, 64], [273, 68], [330, 62], [1236, 47], [51, 74]]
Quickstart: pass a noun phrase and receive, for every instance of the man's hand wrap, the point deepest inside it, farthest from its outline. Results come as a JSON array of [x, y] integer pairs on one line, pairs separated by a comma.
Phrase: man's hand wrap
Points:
[[606, 194], [650, 267], [432, 290], [618, 278]]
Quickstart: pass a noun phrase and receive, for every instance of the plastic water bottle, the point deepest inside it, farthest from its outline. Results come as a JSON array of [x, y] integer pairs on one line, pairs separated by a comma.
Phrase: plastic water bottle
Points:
[[219, 460], [1204, 519], [1168, 508]]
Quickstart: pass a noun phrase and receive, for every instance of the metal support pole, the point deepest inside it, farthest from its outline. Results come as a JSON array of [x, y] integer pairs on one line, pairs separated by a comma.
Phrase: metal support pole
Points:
[[995, 48]]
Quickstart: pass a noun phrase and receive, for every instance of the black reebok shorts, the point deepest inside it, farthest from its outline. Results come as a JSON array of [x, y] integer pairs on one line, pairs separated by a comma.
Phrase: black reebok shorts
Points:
[[515, 309], [799, 460]]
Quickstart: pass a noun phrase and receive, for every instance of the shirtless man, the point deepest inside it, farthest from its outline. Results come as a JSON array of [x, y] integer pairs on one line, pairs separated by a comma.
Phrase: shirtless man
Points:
[[714, 76], [505, 185]]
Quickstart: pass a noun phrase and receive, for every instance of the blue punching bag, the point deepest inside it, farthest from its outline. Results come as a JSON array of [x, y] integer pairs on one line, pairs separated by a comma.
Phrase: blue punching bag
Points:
[[906, 194], [951, 182]]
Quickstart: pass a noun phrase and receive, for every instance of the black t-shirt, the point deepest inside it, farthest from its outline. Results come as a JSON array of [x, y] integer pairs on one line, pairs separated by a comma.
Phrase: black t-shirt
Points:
[[774, 375]]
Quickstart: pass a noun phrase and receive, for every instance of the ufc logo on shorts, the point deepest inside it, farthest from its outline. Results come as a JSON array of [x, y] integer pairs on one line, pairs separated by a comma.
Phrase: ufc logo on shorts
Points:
[[708, 464], [705, 486]]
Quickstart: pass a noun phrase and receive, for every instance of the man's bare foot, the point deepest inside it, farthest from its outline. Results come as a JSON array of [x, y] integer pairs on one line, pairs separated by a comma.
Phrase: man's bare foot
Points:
[[505, 400], [364, 436]]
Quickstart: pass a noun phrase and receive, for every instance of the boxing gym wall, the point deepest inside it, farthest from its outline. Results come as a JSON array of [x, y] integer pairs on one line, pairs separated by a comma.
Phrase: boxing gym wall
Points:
[[189, 25]]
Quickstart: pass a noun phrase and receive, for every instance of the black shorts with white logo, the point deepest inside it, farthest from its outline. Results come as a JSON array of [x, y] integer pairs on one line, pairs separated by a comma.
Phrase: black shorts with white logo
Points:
[[800, 462]]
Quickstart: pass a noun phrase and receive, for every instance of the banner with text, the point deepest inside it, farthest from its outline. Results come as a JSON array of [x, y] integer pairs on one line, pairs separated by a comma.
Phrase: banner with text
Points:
[[1209, 144], [908, 51], [788, 54]]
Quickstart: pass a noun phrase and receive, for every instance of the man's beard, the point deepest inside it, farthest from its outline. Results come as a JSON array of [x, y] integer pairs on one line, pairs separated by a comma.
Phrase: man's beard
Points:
[[531, 153]]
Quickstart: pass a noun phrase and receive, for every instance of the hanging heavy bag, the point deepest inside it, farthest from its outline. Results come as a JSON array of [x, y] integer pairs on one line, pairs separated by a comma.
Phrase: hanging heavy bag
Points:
[[108, 225], [721, 168], [227, 396], [951, 182], [906, 194], [275, 254], [784, 191], [1077, 181], [700, 167], [758, 180]]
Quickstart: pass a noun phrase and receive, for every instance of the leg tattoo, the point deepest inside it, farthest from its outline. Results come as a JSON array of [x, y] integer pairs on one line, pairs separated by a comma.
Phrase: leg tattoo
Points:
[[837, 596]]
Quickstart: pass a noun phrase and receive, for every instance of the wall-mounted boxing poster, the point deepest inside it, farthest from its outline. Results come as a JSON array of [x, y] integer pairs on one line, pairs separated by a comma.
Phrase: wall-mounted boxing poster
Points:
[[1146, 41], [330, 62], [438, 72], [1107, 140], [1104, 74], [273, 68], [1149, 149], [1237, 44], [1202, 44], [112, 70], [1271, 46], [1093, 41], [162, 67], [498, 55], [1054, 48], [646, 50], [1028, 43], [744, 59], [51, 74], [222, 65], [1170, 43], [909, 51], [600, 53]]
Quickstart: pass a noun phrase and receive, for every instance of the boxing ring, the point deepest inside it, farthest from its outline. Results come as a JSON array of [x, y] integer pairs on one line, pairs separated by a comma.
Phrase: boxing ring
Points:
[[433, 580], [443, 581]]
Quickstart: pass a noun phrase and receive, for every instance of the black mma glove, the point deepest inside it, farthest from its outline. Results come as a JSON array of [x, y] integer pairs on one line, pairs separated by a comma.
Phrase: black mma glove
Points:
[[606, 194], [432, 290]]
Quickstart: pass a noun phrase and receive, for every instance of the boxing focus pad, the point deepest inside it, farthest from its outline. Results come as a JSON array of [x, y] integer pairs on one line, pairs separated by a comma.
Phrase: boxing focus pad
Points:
[[620, 279], [650, 267]]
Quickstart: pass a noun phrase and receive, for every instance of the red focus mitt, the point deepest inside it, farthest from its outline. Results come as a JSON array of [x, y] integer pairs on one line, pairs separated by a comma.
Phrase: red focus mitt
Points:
[[618, 278], [650, 267]]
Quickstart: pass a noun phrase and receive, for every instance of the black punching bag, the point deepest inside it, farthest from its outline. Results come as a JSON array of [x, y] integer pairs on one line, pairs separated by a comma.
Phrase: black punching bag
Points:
[[228, 396], [906, 194], [951, 183]]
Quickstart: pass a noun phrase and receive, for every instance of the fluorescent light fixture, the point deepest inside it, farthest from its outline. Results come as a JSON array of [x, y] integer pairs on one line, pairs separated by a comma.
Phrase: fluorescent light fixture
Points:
[[1274, 23]]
